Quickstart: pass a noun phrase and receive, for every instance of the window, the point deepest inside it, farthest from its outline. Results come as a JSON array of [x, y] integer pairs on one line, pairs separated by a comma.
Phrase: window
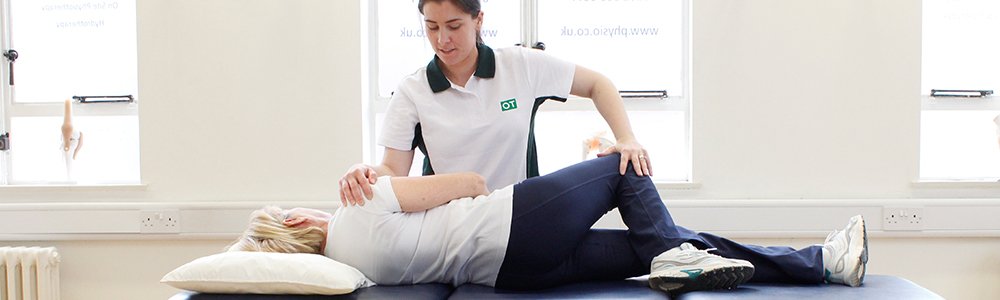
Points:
[[64, 49], [641, 45], [960, 120]]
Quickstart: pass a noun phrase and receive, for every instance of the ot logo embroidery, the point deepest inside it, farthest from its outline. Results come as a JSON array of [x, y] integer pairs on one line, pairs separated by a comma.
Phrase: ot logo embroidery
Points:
[[508, 104]]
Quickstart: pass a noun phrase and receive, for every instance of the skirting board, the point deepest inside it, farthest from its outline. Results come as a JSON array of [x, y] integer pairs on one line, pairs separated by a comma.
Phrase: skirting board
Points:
[[742, 218]]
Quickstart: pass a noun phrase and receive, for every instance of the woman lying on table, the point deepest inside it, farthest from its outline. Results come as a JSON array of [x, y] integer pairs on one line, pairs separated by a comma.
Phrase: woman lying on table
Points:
[[537, 234]]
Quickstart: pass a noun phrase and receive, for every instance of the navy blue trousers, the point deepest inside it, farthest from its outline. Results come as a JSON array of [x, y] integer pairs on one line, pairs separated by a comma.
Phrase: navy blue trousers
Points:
[[551, 241]]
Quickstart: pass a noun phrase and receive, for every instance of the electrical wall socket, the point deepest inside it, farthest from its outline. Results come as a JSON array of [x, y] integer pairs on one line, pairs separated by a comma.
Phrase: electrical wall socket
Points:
[[902, 218], [160, 221]]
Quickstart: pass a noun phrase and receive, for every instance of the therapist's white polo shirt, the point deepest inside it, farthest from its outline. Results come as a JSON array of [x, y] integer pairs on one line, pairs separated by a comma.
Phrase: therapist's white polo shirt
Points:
[[485, 127]]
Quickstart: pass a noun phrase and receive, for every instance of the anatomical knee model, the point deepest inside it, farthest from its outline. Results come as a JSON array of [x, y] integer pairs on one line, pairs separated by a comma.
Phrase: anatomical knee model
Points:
[[72, 139]]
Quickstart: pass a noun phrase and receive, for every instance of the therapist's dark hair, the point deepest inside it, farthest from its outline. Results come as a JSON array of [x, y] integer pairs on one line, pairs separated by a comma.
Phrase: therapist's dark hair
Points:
[[471, 7]]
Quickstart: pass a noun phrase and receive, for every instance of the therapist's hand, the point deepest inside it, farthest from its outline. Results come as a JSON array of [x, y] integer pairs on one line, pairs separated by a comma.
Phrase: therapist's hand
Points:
[[631, 150], [359, 179]]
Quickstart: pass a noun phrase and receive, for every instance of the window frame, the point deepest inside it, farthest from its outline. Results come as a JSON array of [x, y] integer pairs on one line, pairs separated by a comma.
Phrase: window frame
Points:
[[929, 103], [10, 109], [676, 101]]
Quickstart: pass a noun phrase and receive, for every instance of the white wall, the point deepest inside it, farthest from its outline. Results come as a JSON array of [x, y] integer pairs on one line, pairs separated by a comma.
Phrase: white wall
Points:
[[261, 101], [248, 99], [806, 98]]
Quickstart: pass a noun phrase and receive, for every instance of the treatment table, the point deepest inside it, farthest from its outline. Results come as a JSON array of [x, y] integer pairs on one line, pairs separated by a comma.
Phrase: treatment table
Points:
[[875, 287]]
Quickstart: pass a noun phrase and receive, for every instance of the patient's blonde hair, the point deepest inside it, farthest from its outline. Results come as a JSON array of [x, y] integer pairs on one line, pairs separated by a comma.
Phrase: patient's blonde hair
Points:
[[267, 233]]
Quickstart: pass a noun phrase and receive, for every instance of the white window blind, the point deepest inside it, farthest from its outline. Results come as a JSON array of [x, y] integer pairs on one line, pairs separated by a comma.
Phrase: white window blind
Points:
[[960, 44], [73, 48], [638, 44]]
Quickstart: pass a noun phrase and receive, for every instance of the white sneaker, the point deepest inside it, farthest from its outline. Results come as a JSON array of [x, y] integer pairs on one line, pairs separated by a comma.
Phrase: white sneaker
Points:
[[686, 268], [845, 254]]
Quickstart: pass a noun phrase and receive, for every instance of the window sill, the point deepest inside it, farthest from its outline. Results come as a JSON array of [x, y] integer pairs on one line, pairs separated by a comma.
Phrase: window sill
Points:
[[959, 103], [677, 185], [73, 187], [956, 184]]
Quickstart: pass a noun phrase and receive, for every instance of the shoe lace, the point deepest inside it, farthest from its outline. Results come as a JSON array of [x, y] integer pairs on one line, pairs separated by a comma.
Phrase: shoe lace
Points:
[[689, 250], [832, 235]]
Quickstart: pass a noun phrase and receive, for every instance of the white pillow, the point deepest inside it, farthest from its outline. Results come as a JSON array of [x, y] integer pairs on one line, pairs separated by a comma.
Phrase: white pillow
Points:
[[267, 273]]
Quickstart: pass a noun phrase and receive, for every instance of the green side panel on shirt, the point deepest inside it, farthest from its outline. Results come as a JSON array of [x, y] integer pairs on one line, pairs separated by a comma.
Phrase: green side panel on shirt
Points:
[[532, 155], [418, 142], [532, 149]]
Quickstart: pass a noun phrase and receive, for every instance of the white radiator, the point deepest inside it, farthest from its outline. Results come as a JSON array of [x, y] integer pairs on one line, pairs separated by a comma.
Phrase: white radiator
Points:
[[29, 273]]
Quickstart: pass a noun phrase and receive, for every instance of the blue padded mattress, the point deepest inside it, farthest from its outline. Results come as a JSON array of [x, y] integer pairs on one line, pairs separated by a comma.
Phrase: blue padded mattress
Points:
[[875, 287], [622, 289]]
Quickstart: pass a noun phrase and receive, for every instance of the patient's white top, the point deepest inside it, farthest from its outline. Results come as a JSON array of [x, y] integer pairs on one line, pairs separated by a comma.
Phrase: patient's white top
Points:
[[463, 241]]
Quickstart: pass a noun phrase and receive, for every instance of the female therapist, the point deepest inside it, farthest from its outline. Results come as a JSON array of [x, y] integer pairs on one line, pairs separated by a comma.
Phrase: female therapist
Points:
[[472, 108]]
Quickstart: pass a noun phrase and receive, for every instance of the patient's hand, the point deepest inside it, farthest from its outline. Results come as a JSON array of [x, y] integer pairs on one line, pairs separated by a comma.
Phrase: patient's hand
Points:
[[359, 179]]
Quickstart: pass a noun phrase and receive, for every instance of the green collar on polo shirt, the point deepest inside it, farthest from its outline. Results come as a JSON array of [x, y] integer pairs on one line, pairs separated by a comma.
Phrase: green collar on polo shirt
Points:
[[485, 68]]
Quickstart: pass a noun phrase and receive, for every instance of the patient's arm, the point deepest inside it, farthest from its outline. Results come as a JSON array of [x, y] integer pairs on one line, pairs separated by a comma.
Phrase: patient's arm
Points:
[[425, 192]]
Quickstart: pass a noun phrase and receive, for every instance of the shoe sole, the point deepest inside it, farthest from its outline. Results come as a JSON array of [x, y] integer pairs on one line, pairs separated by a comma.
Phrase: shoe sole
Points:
[[721, 278], [864, 252], [862, 257]]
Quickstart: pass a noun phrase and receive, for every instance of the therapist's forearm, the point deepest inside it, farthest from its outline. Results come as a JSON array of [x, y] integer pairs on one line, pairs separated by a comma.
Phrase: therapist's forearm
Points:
[[384, 170], [609, 103], [395, 163], [590, 84], [426, 192]]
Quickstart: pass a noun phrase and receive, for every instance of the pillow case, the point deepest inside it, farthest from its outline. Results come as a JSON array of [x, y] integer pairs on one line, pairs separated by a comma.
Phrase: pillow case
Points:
[[266, 273]]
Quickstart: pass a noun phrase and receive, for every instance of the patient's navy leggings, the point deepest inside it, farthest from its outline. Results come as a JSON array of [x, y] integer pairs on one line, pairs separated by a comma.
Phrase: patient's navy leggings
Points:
[[552, 243]]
